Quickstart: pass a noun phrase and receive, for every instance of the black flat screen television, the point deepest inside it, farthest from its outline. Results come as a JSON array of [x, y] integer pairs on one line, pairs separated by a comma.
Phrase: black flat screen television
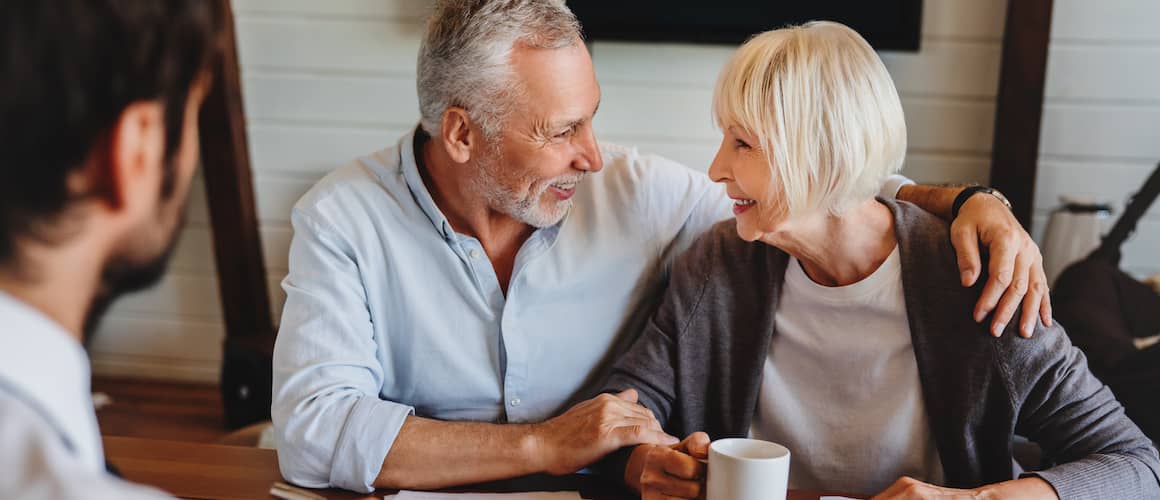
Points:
[[886, 24]]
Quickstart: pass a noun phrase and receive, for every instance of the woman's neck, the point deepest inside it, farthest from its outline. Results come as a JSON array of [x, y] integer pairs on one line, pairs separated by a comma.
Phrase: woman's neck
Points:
[[839, 250]]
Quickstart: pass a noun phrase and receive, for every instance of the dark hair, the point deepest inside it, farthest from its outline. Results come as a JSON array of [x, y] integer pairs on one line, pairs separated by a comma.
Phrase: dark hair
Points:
[[68, 69]]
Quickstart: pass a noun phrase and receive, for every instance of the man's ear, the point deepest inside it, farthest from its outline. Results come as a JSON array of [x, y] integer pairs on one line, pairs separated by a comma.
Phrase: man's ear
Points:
[[132, 170], [457, 135]]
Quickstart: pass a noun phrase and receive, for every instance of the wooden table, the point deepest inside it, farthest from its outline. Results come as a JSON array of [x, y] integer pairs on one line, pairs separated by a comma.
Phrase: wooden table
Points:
[[209, 471]]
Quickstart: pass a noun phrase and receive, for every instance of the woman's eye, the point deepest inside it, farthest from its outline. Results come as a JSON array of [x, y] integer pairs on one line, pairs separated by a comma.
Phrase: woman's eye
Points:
[[739, 144]]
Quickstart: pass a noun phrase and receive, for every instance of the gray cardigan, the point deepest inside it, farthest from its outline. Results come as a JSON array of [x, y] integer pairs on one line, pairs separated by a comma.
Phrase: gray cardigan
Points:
[[698, 364]]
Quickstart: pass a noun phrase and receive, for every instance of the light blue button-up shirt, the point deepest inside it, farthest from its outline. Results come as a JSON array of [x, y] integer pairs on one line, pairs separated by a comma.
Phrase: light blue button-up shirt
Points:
[[390, 312]]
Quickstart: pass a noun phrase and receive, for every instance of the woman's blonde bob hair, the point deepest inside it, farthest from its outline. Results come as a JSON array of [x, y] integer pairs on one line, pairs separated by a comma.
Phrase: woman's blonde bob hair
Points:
[[824, 111]]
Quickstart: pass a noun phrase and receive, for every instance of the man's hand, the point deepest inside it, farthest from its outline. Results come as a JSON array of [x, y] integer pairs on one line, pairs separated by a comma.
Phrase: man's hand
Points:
[[594, 428], [1015, 269], [660, 472], [1030, 488]]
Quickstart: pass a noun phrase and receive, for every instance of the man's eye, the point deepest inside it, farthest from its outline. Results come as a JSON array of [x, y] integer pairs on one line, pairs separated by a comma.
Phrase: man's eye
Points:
[[565, 134]]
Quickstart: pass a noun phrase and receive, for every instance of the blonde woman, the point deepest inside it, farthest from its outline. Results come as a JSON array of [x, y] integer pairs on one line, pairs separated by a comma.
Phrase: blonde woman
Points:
[[836, 325]]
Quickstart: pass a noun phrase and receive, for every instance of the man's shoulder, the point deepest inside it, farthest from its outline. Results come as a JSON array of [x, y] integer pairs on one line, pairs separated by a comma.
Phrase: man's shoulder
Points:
[[364, 186], [371, 172], [39, 465], [659, 185], [627, 162]]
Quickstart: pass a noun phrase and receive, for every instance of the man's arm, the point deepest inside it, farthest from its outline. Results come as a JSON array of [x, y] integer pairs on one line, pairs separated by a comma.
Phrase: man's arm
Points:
[[335, 431], [430, 454], [1016, 266]]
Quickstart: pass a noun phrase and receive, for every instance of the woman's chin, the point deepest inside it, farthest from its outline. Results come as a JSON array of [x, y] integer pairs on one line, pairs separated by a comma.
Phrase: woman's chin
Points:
[[747, 233]]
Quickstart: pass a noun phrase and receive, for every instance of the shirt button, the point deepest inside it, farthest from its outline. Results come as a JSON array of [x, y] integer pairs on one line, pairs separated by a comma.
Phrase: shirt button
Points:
[[515, 401], [474, 253]]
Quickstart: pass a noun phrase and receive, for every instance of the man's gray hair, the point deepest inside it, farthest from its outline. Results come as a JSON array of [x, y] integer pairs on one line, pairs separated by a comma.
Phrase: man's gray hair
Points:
[[464, 59]]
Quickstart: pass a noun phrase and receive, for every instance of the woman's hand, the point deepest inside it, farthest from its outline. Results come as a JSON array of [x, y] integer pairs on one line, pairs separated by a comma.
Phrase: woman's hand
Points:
[[912, 489], [1015, 269], [659, 472]]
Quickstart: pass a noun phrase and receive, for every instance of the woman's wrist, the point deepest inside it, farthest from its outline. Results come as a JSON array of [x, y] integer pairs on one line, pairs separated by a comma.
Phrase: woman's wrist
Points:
[[1030, 488]]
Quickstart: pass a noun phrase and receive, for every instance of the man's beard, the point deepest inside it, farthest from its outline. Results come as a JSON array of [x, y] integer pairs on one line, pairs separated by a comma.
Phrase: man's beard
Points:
[[123, 275], [528, 209]]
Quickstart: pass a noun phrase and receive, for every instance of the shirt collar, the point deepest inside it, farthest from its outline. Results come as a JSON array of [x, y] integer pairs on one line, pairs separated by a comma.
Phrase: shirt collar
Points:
[[410, 150], [48, 369]]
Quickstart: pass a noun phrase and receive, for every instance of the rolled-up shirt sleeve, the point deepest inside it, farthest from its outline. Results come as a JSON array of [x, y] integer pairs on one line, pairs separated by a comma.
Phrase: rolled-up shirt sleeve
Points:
[[333, 428]]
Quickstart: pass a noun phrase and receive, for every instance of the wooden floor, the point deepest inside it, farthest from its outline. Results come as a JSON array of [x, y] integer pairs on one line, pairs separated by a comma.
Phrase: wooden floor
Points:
[[161, 410]]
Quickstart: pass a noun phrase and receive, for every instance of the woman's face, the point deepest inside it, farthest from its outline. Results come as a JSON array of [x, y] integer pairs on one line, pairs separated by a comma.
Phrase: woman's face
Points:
[[741, 165]]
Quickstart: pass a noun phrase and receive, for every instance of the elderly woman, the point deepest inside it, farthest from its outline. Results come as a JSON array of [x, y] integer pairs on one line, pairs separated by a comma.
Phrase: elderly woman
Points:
[[836, 325]]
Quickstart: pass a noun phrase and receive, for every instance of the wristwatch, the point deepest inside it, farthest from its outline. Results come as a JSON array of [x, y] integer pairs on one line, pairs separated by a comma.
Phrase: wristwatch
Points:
[[970, 191]]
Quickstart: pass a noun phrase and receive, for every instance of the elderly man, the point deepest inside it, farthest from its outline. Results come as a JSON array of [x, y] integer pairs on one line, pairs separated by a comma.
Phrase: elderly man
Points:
[[450, 296]]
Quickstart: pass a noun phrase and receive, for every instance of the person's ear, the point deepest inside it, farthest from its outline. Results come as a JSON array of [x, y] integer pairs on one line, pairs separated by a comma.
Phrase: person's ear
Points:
[[136, 152], [457, 134]]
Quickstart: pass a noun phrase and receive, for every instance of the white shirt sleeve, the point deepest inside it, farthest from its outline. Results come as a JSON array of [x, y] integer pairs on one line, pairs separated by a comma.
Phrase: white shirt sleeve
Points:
[[682, 203], [893, 184], [333, 429], [37, 465]]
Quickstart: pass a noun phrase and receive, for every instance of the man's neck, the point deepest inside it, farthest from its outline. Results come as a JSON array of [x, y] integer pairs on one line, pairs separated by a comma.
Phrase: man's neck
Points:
[[468, 212], [59, 282], [464, 207]]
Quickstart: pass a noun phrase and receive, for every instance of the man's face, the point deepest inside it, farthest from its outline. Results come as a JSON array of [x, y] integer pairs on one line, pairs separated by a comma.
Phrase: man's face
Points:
[[140, 259], [547, 145]]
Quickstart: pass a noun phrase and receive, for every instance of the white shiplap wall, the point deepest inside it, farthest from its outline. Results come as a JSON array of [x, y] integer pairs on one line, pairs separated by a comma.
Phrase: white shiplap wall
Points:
[[325, 82], [1101, 117]]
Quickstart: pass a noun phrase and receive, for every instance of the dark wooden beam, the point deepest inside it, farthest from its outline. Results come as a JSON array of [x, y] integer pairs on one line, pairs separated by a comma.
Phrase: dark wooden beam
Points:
[[1019, 107], [237, 242]]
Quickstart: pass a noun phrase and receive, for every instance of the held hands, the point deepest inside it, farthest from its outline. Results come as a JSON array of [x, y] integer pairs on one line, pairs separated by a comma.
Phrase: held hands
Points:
[[1015, 269], [594, 428], [663, 472]]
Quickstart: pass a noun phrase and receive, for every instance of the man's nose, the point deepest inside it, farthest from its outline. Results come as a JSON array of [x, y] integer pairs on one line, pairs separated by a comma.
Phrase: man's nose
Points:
[[590, 159]]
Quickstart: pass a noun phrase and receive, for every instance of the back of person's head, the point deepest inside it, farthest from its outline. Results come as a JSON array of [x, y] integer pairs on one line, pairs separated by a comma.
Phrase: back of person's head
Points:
[[68, 71], [464, 59], [824, 109]]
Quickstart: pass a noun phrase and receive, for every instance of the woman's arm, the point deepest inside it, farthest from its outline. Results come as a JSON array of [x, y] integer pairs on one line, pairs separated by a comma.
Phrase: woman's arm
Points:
[[652, 365], [1028, 488], [1075, 418]]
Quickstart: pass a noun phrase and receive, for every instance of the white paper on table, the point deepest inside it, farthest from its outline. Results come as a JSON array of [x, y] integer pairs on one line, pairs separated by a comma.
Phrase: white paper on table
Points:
[[531, 495], [837, 498]]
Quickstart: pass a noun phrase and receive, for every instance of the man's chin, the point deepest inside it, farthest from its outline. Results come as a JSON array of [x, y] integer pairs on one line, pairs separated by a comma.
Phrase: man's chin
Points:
[[118, 279], [547, 217]]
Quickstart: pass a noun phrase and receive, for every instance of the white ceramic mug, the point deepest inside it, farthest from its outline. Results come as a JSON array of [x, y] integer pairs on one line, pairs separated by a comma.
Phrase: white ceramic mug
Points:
[[747, 469]]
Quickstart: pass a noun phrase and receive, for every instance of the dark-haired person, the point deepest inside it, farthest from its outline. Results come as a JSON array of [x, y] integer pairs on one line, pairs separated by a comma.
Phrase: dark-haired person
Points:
[[98, 126]]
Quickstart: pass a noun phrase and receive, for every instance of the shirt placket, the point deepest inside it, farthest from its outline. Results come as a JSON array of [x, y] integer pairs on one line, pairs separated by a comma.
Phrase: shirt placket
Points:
[[515, 342]]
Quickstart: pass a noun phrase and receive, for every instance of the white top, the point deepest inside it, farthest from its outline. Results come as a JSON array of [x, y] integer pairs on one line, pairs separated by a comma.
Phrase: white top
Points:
[[51, 445], [840, 387]]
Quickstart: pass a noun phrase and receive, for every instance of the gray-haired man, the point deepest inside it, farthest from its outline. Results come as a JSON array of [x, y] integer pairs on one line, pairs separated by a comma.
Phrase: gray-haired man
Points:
[[451, 298]]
